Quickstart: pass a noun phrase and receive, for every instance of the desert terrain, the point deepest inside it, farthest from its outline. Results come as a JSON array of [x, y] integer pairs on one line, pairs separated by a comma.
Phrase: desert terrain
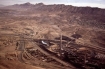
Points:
[[38, 36]]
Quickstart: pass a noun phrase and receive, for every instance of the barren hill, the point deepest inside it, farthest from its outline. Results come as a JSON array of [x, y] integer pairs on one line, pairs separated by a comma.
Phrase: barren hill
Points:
[[59, 7], [94, 17]]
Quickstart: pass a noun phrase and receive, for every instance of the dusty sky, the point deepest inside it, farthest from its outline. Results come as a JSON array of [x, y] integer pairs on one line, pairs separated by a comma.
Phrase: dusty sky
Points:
[[92, 3]]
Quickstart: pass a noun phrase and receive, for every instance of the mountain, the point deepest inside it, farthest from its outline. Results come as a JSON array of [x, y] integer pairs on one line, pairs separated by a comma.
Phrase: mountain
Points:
[[57, 7], [24, 6], [94, 17], [1, 5]]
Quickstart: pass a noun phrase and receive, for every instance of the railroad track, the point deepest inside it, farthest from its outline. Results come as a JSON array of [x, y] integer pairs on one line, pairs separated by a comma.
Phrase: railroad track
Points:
[[49, 54], [36, 46], [95, 48], [23, 51]]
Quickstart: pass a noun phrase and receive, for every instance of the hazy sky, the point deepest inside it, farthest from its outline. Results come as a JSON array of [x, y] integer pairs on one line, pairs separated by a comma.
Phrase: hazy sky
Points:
[[93, 3]]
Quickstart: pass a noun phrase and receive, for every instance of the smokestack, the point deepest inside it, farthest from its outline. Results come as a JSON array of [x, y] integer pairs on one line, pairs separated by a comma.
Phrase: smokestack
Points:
[[61, 42]]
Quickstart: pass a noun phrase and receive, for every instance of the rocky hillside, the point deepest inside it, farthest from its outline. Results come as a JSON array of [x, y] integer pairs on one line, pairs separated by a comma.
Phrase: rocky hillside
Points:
[[58, 7], [85, 16]]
